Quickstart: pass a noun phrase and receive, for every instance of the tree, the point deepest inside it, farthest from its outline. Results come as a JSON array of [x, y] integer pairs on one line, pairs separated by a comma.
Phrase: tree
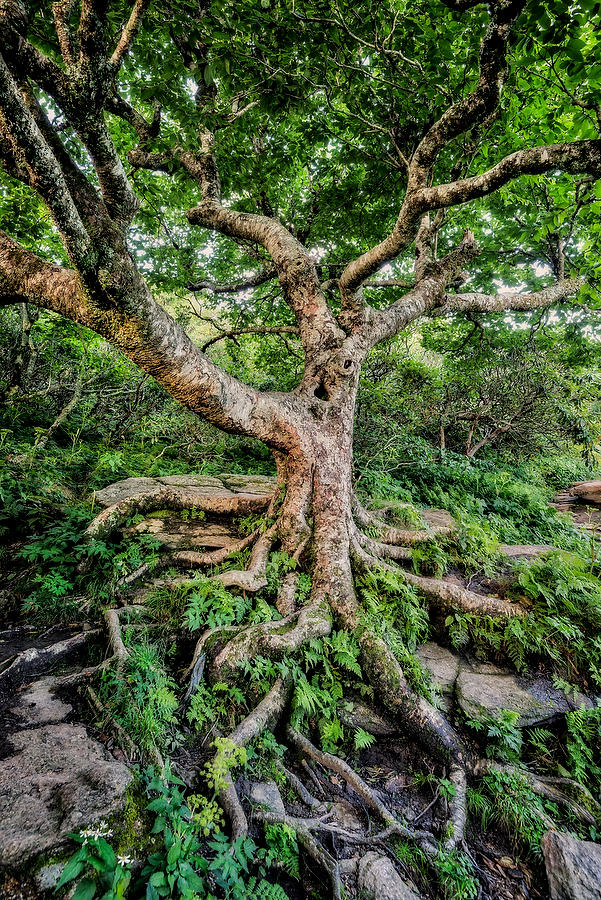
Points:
[[341, 160]]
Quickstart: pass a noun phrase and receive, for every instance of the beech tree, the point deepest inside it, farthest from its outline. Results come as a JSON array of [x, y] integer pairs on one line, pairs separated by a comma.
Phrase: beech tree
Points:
[[341, 165]]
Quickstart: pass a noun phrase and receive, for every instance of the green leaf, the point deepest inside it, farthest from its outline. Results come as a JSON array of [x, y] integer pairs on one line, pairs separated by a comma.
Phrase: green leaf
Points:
[[85, 890], [73, 868]]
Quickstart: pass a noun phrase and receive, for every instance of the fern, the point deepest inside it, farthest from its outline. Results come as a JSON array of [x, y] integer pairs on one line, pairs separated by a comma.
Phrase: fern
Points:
[[363, 739], [265, 890]]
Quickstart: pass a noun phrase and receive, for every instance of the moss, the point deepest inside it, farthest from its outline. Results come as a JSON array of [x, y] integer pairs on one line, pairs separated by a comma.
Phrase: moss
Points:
[[133, 825]]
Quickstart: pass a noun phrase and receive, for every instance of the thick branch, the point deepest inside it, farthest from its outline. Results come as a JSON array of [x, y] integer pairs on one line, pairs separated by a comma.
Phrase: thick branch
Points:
[[45, 174], [474, 302], [149, 337]]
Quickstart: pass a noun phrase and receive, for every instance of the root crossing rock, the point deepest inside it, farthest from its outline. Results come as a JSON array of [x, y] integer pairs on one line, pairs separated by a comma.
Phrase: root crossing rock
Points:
[[378, 879]]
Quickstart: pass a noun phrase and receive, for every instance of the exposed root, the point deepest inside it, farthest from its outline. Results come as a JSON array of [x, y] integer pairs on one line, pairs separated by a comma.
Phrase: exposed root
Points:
[[211, 636], [310, 844], [444, 595], [275, 638], [575, 786], [450, 596], [83, 674], [425, 722], [35, 662], [265, 715], [175, 498], [285, 602], [458, 809], [377, 548], [546, 788], [190, 559], [369, 797], [127, 745], [297, 785], [120, 652], [439, 523], [254, 578]]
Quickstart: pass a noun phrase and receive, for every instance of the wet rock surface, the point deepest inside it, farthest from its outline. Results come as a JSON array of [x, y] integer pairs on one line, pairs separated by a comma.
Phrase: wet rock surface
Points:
[[485, 690], [443, 666], [54, 777], [482, 690]]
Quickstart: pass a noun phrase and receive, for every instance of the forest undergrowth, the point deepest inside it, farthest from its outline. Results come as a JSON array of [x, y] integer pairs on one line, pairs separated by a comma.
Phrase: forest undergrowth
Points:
[[175, 731]]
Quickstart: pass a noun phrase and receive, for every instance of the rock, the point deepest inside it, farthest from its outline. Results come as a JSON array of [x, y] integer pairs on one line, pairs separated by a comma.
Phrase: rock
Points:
[[267, 795], [203, 482], [573, 867], [378, 878], [176, 533], [443, 666], [121, 490], [438, 518], [207, 485], [37, 705], [360, 715], [48, 876], [590, 491], [345, 816], [484, 690], [525, 551], [58, 780], [249, 484]]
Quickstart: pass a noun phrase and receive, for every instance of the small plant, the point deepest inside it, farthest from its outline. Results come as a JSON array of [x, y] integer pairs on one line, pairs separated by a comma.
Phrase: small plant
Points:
[[104, 873], [504, 737]]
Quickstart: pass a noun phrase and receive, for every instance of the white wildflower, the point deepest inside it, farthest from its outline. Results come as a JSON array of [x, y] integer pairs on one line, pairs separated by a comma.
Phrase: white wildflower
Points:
[[124, 860]]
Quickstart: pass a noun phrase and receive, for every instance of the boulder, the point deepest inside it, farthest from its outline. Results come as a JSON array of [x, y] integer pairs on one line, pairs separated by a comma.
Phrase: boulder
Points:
[[266, 794], [443, 666], [58, 780], [484, 690], [249, 484], [573, 867], [345, 815], [176, 533], [589, 491], [377, 878], [357, 714], [121, 490]]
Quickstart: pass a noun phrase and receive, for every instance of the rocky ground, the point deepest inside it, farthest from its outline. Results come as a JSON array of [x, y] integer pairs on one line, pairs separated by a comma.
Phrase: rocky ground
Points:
[[59, 773]]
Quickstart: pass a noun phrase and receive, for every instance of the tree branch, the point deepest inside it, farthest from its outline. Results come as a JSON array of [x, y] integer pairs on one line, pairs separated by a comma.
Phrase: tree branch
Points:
[[129, 33], [282, 329], [45, 175], [473, 302], [235, 287], [152, 339], [575, 157]]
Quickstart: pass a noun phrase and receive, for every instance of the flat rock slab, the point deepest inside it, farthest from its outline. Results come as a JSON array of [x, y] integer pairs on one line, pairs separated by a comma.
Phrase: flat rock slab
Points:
[[266, 794], [208, 485], [443, 666], [525, 551], [573, 867], [58, 780], [176, 533], [485, 690], [587, 490], [357, 714], [38, 705]]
